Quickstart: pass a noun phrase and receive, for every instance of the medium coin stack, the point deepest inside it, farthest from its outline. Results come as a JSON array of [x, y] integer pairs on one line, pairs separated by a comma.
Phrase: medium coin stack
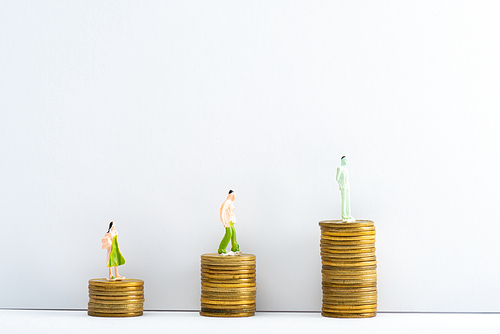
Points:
[[228, 287], [123, 298], [349, 269]]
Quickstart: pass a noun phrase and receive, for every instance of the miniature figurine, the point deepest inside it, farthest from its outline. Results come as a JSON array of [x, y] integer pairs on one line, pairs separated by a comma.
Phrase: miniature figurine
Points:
[[114, 257], [228, 220], [343, 181]]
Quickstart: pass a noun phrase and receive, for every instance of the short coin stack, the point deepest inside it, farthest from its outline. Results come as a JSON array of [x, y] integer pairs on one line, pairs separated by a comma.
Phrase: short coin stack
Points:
[[123, 298], [228, 285], [349, 269]]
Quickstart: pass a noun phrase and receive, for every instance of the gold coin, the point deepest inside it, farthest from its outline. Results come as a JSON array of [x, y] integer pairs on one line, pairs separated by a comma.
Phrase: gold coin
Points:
[[95, 306], [228, 312], [351, 312], [227, 315], [229, 263], [233, 285], [219, 257], [228, 307], [227, 268], [116, 293], [360, 291], [342, 270], [350, 297], [233, 276], [348, 233], [348, 255], [240, 310], [128, 288], [127, 301], [352, 301], [350, 289], [349, 259], [351, 307], [103, 282], [326, 285], [328, 245], [331, 295], [117, 315], [347, 264], [228, 290], [349, 279], [369, 238], [349, 272], [227, 302], [116, 310], [228, 281], [350, 286], [336, 223], [229, 272], [345, 228], [117, 298], [225, 293], [326, 304], [372, 267], [343, 251], [338, 244], [227, 297], [214, 311], [335, 295], [340, 315]]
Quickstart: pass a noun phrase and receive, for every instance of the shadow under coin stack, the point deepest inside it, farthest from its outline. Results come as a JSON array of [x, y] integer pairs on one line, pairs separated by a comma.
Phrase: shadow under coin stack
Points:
[[123, 298], [228, 287], [349, 269]]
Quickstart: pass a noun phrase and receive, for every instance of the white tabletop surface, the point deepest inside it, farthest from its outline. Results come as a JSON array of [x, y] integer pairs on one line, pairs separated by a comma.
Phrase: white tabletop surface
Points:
[[43, 321]]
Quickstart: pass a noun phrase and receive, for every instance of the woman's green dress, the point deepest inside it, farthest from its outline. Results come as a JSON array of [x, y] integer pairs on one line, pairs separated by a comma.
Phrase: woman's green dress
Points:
[[115, 257]]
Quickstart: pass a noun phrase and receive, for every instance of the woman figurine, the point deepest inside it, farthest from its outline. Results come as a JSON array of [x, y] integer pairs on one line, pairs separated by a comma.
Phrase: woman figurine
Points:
[[115, 258]]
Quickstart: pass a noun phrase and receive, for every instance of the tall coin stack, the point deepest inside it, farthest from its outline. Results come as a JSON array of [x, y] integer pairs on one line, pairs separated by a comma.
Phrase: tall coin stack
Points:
[[349, 269], [123, 298], [228, 287]]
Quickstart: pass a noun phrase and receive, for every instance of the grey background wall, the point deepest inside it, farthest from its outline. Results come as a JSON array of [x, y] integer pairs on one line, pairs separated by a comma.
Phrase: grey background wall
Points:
[[147, 113]]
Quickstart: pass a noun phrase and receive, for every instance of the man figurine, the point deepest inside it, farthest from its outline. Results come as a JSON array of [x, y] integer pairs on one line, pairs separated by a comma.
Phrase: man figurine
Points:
[[343, 181], [228, 220]]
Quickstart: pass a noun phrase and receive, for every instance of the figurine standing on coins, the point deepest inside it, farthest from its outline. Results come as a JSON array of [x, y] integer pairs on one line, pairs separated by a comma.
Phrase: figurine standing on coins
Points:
[[114, 257], [343, 181], [228, 220]]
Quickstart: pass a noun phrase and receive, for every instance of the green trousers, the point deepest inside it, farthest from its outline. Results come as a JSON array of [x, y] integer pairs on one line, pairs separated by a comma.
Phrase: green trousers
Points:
[[230, 235]]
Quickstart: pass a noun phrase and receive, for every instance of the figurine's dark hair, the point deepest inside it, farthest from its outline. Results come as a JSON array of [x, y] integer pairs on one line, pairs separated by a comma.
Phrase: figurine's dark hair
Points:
[[109, 228], [230, 192], [342, 157]]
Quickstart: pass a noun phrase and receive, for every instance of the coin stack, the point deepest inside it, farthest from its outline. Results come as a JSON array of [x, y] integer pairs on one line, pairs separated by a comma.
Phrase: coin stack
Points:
[[228, 285], [349, 269], [123, 298]]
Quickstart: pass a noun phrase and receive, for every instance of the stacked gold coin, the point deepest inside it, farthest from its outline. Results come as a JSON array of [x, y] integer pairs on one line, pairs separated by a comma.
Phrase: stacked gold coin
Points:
[[349, 269], [228, 285], [123, 298]]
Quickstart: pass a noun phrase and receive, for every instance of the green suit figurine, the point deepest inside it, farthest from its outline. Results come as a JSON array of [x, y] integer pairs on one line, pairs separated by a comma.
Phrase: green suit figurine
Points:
[[228, 220], [343, 181]]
